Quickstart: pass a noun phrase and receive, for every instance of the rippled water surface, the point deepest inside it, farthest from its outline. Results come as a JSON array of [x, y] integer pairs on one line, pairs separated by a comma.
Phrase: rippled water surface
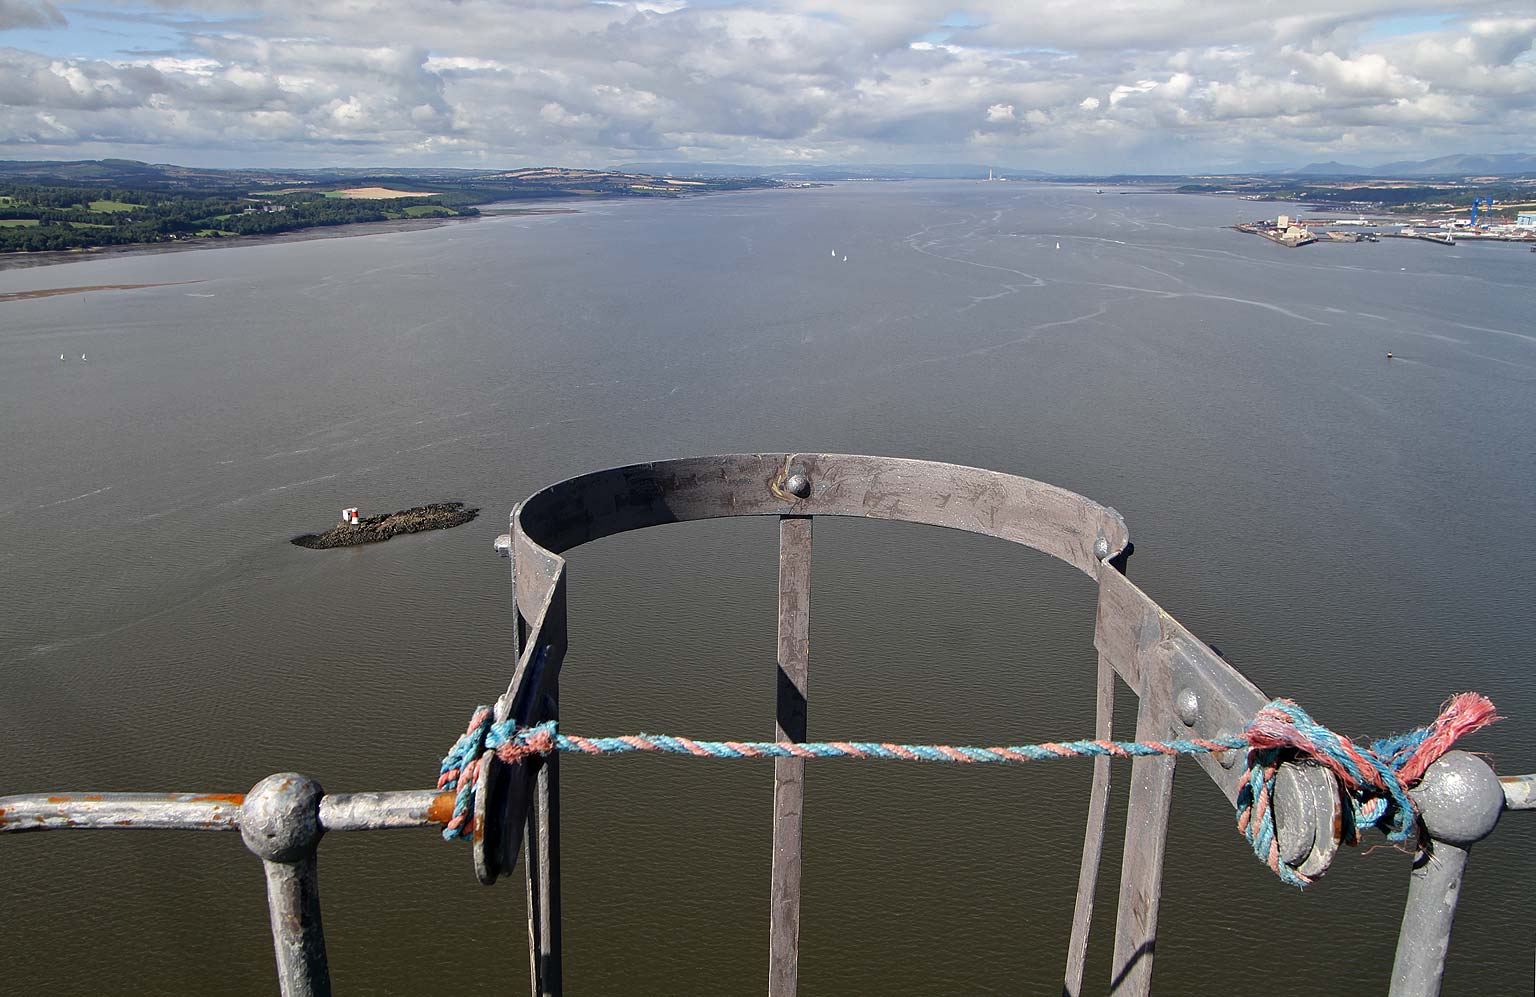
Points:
[[1349, 530]]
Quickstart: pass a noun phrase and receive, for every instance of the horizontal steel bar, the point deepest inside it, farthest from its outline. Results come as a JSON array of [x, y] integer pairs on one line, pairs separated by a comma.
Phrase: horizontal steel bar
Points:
[[379, 811], [153, 811], [212, 811], [1519, 791]]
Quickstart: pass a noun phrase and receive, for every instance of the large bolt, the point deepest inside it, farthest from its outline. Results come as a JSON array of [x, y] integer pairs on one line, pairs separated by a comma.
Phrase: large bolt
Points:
[[798, 485], [280, 819], [1101, 548]]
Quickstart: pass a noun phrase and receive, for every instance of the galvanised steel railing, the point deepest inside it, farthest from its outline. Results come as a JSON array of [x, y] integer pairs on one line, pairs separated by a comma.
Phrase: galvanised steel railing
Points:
[[1183, 689]]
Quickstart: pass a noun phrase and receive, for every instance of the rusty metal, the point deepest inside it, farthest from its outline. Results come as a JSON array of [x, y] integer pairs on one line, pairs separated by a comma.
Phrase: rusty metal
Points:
[[1183, 688], [1519, 791], [280, 822]]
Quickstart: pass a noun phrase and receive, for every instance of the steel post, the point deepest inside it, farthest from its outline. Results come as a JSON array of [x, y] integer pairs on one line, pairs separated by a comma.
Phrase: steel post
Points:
[[1459, 800], [280, 822]]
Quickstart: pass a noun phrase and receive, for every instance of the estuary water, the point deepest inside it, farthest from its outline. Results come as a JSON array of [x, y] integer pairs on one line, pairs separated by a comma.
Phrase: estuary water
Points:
[[1349, 530]]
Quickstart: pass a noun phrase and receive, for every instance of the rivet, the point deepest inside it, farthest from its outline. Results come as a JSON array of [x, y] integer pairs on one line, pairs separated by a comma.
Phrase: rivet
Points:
[[1188, 705], [1101, 548], [798, 485]]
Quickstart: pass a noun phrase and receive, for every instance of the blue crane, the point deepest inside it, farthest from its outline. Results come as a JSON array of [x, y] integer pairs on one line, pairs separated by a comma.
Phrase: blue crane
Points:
[[1487, 204]]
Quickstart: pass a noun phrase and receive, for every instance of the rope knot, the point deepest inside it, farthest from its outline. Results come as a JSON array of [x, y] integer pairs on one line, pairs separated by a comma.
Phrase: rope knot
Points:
[[1375, 779], [461, 766]]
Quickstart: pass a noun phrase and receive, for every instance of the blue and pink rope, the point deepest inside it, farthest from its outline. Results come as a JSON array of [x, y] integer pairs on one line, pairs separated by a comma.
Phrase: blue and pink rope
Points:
[[1376, 779]]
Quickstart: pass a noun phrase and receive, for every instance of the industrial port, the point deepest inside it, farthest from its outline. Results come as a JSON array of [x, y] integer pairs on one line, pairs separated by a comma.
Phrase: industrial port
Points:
[[1480, 223]]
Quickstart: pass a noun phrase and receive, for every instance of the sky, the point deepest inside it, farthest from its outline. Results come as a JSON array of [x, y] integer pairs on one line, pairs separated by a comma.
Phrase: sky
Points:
[[1091, 86]]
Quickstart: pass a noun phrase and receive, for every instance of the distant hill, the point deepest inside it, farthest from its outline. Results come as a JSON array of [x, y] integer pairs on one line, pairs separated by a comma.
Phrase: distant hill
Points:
[[1503, 164], [831, 171], [1464, 165], [1330, 169]]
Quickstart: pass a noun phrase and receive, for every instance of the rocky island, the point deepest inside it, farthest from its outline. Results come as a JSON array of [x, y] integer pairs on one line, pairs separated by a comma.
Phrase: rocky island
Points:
[[353, 530]]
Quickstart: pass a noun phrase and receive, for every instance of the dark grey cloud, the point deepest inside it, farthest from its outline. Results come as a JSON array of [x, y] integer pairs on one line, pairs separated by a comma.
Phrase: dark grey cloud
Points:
[[29, 14]]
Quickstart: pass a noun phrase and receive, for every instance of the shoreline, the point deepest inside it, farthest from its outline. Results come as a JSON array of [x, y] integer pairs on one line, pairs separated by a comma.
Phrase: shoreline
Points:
[[25, 261], [490, 209]]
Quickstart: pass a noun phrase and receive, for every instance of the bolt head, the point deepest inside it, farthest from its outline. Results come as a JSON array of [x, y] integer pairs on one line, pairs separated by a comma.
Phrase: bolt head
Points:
[[798, 485], [1101, 548], [1188, 706], [280, 818]]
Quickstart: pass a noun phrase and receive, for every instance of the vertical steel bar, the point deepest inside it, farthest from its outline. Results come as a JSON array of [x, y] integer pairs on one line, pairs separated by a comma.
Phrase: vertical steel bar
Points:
[[1093, 835], [1459, 801], [532, 893], [548, 808], [1434, 887], [280, 822], [1146, 837], [544, 816], [789, 773]]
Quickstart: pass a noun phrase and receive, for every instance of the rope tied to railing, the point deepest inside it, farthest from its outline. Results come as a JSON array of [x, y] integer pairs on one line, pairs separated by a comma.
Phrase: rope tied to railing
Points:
[[1375, 780]]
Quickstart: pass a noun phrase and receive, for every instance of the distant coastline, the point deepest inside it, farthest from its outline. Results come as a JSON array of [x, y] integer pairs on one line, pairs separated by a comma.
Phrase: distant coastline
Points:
[[53, 212], [48, 258]]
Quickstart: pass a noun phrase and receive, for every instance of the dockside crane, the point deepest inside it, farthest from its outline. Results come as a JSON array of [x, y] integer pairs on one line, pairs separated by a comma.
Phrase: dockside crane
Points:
[[1487, 205]]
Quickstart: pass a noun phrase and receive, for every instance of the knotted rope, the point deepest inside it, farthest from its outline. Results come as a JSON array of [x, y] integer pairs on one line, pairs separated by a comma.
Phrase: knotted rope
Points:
[[1375, 779]]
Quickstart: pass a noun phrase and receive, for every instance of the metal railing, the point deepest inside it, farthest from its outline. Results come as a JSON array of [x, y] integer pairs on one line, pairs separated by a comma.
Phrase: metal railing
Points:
[[1183, 690]]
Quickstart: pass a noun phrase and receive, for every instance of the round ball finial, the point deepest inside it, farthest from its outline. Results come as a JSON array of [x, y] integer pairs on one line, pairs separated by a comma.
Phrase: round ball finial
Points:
[[798, 485], [280, 818], [1459, 799]]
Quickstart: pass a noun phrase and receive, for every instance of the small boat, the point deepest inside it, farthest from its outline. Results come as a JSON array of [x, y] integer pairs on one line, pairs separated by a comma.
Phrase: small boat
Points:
[[845, 259], [1058, 245], [61, 358], [834, 253]]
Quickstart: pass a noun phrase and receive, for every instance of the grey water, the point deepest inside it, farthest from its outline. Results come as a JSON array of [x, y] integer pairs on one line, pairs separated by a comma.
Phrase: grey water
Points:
[[1348, 529]]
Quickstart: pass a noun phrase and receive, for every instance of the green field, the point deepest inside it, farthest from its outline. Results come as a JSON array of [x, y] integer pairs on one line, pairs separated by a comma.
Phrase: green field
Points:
[[427, 211], [113, 206], [17, 222]]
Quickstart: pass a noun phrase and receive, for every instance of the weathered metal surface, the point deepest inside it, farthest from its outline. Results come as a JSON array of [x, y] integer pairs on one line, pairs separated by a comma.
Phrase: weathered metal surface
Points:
[[213, 811], [1208, 698], [280, 822], [1093, 832], [1519, 791], [1050, 519], [144, 811], [525, 798], [1093, 836], [381, 811], [1459, 801], [1146, 838], [793, 671]]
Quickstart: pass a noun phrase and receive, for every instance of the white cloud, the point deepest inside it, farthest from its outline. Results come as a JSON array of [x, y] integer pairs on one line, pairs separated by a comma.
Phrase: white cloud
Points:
[[1173, 83]]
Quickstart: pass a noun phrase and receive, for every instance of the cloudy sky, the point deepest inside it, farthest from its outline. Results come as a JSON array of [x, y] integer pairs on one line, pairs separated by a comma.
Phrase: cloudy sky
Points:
[[1072, 85]]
